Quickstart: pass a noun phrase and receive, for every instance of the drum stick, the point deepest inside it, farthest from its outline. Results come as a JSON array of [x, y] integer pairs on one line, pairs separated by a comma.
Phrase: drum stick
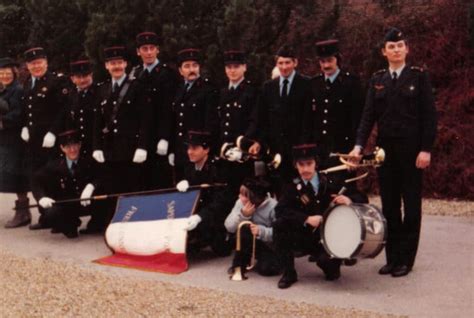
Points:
[[332, 204]]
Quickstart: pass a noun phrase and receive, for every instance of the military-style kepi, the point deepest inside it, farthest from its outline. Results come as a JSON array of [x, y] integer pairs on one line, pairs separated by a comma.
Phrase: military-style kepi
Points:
[[286, 51], [7, 62], [114, 53], [327, 48], [198, 138], [234, 57], [34, 53], [304, 152], [80, 67], [190, 54], [69, 137], [393, 35], [145, 38]]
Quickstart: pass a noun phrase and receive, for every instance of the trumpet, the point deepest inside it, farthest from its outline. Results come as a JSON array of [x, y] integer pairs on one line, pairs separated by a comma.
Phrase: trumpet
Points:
[[237, 271], [375, 160]]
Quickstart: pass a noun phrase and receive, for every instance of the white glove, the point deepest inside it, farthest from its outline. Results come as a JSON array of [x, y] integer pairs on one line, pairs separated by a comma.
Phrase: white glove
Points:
[[46, 202], [140, 155], [98, 155], [233, 154], [162, 147], [49, 140], [171, 159], [87, 193], [182, 186], [25, 134], [193, 221]]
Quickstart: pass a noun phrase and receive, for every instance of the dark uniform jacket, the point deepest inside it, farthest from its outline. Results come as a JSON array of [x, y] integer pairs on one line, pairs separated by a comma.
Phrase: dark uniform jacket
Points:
[[57, 182], [122, 123], [195, 109], [215, 203], [404, 110], [160, 88], [41, 106], [335, 112], [237, 111], [300, 201], [79, 114], [280, 125]]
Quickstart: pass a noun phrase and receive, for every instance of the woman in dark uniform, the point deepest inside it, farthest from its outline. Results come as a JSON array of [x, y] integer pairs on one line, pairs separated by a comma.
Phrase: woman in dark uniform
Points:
[[12, 173]]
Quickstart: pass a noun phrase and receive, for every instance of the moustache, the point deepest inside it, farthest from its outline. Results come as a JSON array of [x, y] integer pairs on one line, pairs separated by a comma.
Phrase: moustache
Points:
[[192, 73]]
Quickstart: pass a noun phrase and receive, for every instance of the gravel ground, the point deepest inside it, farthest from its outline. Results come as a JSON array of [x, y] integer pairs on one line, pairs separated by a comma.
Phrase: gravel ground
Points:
[[46, 288]]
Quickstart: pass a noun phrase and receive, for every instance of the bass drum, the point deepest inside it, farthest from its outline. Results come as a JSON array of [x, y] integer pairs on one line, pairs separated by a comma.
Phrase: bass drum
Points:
[[354, 231]]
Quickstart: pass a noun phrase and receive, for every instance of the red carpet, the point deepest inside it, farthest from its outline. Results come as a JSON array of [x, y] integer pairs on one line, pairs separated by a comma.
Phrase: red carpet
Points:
[[167, 262]]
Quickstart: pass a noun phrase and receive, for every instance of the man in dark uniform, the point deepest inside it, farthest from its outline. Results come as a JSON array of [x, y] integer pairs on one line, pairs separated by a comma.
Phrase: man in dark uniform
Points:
[[122, 126], [82, 103], [300, 212], [160, 83], [195, 106], [400, 100], [44, 98], [283, 104], [206, 226], [237, 111], [65, 178], [336, 104]]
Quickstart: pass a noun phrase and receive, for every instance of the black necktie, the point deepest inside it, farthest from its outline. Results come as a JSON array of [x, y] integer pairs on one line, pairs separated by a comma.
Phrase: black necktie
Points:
[[115, 88], [232, 89], [394, 78], [284, 91], [328, 83], [186, 87], [73, 168]]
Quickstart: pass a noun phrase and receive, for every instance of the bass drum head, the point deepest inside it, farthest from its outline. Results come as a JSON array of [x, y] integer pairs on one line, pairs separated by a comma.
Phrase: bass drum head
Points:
[[342, 231]]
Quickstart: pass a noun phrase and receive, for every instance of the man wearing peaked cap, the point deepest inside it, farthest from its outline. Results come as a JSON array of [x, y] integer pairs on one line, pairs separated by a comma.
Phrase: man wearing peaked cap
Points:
[[70, 177], [160, 83], [299, 215], [336, 103], [45, 97], [283, 108], [237, 112], [400, 100], [81, 105], [206, 226], [194, 106], [122, 126]]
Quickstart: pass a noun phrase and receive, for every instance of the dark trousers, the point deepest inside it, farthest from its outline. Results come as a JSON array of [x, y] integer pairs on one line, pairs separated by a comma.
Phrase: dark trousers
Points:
[[64, 217], [158, 174], [292, 238], [267, 264], [400, 180]]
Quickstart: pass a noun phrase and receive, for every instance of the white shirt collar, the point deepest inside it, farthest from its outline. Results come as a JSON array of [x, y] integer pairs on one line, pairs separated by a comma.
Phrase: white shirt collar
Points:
[[398, 71], [120, 80], [332, 78], [235, 85], [152, 66]]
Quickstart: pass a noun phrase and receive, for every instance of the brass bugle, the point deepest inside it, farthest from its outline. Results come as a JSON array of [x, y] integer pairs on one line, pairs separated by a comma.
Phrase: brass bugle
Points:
[[378, 158], [238, 274]]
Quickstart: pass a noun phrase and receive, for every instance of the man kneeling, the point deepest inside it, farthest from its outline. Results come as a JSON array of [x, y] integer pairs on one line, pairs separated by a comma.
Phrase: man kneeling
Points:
[[70, 177], [300, 213]]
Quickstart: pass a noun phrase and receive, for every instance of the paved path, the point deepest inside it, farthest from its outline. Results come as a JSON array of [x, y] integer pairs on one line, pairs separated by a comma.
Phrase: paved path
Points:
[[441, 284]]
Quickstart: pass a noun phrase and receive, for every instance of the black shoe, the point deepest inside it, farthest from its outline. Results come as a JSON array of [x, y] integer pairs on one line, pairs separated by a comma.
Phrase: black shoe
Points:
[[90, 231], [70, 234], [349, 262], [39, 226], [312, 259], [288, 279], [55, 231], [386, 269], [333, 274], [400, 270]]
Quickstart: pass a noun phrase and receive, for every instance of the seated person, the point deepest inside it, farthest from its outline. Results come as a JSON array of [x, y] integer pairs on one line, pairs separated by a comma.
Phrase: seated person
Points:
[[68, 178], [257, 206], [206, 225], [300, 212]]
